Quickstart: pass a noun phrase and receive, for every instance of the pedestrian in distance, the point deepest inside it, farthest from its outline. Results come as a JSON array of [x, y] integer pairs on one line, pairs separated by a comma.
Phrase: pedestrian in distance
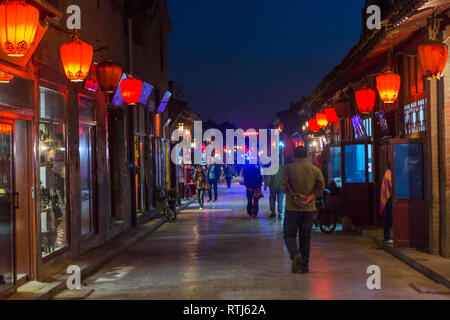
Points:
[[200, 183], [213, 175], [276, 195], [302, 182], [386, 204], [252, 180], [228, 172]]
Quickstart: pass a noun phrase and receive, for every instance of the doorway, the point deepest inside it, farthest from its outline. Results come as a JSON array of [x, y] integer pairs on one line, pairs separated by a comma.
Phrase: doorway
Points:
[[88, 180], [15, 211]]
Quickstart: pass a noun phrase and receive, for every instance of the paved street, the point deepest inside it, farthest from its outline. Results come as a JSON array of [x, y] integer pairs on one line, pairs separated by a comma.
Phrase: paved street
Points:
[[221, 254]]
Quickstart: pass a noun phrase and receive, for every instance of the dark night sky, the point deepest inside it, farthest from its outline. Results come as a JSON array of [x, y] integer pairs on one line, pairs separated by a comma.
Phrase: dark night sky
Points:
[[242, 60]]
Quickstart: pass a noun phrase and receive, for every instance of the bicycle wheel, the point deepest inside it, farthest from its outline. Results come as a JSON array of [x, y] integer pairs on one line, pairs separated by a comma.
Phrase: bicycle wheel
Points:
[[327, 222], [171, 215]]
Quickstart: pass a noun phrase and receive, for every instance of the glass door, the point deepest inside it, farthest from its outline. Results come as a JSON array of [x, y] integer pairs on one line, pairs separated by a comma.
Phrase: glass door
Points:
[[6, 206], [87, 168]]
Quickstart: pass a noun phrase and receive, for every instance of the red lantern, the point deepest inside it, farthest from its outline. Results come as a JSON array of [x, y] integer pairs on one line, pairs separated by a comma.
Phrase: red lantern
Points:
[[6, 77], [108, 75], [131, 90], [5, 128], [433, 57], [18, 25], [388, 85], [331, 115], [321, 120], [76, 57], [313, 125], [365, 99]]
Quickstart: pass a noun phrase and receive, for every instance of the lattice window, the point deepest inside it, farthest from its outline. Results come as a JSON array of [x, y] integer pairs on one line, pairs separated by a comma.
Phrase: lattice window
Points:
[[415, 116]]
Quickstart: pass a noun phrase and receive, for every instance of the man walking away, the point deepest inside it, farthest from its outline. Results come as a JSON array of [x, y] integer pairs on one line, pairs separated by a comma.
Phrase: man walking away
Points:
[[228, 175], [302, 182], [276, 195], [386, 204], [214, 174], [253, 183]]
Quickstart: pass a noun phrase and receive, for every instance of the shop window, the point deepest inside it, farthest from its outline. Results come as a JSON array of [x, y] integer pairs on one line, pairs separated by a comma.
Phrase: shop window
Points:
[[335, 168], [17, 93], [52, 104], [367, 123], [86, 107], [415, 116], [355, 163], [52, 166], [408, 171]]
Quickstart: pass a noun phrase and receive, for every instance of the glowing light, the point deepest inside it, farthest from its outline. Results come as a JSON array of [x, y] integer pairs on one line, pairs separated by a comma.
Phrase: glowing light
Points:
[[6, 77], [388, 85], [18, 25], [76, 57], [365, 99], [433, 57]]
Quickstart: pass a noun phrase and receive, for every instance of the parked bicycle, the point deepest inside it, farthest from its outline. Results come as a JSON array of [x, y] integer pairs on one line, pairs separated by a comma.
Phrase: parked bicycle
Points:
[[166, 210], [328, 208]]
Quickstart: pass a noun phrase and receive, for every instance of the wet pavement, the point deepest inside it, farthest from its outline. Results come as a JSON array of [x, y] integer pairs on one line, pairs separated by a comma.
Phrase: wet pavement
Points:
[[220, 253]]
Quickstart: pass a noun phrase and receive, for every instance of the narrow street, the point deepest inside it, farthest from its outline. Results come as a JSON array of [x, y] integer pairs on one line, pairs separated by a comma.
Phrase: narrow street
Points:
[[220, 253]]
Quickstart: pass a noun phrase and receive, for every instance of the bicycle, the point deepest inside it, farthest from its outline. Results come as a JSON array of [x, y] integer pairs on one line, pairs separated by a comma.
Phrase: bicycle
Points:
[[166, 210], [325, 218]]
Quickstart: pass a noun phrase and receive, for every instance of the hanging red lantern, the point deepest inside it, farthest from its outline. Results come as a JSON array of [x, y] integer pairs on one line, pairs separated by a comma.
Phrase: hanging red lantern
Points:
[[76, 57], [321, 120], [388, 85], [331, 115], [108, 75], [313, 125], [5, 128], [433, 57], [6, 77], [18, 25], [365, 99], [131, 90]]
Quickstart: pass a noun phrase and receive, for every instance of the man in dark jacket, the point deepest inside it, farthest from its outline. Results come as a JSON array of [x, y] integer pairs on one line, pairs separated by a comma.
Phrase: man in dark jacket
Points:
[[302, 182], [214, 173], [253, 183]]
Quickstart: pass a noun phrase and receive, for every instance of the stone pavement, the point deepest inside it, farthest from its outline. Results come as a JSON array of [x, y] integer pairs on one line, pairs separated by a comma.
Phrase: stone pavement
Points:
[[435, 267], [220, 253], [88, 263]]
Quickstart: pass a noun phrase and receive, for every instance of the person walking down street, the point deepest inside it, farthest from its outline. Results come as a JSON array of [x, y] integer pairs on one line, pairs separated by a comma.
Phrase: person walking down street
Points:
[[200, 181], [214, 173], [253, 182], [228, 172], [302, 182], [386, 204], [276, 195]]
